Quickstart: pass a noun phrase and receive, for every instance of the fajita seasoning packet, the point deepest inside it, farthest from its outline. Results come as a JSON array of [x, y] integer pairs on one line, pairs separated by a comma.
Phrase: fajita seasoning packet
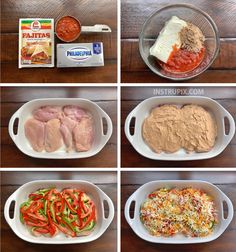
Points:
[[36, 42]]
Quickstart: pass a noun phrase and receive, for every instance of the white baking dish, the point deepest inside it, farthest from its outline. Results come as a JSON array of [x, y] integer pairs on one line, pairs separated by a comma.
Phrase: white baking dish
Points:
[[96, 194], [143, 110], [25, 112], [141, 194]]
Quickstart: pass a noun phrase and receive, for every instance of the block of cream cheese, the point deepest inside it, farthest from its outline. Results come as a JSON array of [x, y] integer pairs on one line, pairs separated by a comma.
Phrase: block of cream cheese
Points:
[[168, 37], [80, 55]]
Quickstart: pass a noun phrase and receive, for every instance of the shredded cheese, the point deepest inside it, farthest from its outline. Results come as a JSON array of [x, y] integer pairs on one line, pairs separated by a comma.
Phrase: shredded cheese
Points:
[[170, 211]]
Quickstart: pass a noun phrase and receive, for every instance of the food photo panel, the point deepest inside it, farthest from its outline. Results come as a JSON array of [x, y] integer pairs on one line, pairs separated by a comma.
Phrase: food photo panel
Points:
[[73, 209], [181, 211], [59, 42], [194, 126], [59, 127], [174, 41]]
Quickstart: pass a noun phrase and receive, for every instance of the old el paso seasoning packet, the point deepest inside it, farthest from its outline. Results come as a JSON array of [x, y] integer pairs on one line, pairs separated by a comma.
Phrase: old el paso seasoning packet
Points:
[[36, 42], [80, 55]]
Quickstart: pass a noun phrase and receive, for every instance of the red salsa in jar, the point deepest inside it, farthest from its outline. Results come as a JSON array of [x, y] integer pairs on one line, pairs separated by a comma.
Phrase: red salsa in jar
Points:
[[68, 29], [182, 60]]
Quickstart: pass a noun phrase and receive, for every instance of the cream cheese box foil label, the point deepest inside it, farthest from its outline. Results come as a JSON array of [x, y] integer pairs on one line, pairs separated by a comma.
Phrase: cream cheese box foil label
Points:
[[36, 42], [80, 55]]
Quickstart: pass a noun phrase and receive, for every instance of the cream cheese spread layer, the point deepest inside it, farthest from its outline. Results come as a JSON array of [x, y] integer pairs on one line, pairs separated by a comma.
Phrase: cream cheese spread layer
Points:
[[169, 128]]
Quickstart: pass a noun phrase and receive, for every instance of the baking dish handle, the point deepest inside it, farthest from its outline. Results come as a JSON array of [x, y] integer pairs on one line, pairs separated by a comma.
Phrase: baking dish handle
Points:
[[108, 220], [107, 136], [127, 125], [9, 220], [227, 138], [127, 209], [226, 222], [11, 125]]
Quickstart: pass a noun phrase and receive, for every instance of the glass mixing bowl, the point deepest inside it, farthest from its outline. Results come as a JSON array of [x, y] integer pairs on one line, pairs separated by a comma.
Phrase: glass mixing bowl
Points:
[[189, 13]]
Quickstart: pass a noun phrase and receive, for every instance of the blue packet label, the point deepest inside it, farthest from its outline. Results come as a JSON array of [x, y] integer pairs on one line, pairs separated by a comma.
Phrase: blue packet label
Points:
[[97, 49]]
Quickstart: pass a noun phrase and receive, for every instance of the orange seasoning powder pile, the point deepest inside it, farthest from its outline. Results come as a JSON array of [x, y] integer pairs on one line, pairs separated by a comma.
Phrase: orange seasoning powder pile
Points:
[[190, 54]]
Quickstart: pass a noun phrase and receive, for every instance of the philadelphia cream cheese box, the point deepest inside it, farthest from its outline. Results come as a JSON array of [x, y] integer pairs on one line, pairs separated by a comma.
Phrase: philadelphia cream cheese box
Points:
[[80, 55]]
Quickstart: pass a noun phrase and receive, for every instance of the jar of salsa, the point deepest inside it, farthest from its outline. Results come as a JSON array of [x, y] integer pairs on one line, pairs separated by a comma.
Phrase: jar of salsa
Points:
[[68, 28], [183, 61]]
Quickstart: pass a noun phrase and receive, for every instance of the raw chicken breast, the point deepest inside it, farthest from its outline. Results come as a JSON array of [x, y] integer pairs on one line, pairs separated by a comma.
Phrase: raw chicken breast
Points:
[[83, 134], [34, 131], [74, 112], [54, 126], [67, 126], [53, 137], [47, 113]]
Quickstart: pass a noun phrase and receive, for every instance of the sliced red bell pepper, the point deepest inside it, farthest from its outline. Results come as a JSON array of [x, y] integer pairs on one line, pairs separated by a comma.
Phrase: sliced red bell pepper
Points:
[[84, 207], [88, 210], [34, 207], [51, 225], [69, 206], [45, 212], [52, 211], [66, 231], [39, 224], [35, 196], [67, 224], [37, 217], [85, 215], [49, 194], [62, 205], [42, 230], [73, 197], [89, 219]]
